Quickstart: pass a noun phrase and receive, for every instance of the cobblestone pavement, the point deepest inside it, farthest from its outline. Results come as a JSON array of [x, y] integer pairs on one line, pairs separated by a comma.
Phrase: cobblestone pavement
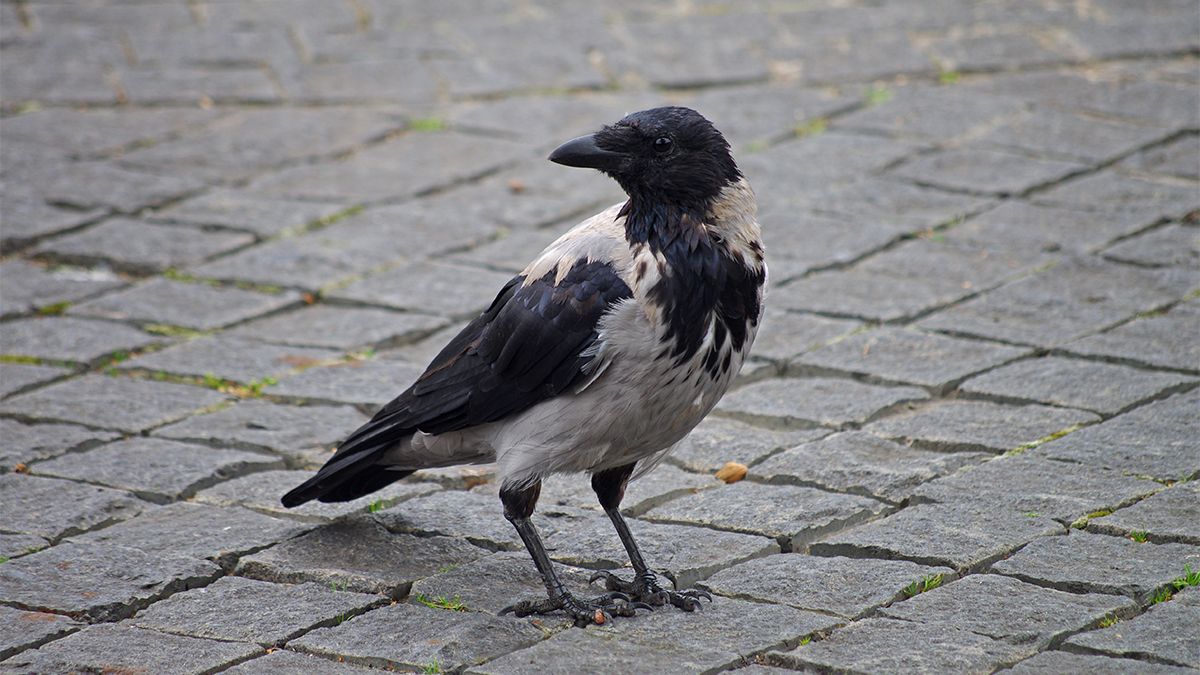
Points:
[[970, 423]]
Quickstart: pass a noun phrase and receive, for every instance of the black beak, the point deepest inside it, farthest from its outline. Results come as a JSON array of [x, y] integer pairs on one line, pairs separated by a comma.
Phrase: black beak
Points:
[[583, 152]]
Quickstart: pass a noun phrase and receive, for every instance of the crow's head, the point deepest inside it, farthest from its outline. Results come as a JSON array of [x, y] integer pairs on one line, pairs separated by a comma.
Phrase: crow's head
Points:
[[663, 155]]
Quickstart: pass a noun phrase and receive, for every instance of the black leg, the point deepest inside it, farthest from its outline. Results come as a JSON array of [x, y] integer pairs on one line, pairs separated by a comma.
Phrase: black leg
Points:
[[518, 507], [610, 489]]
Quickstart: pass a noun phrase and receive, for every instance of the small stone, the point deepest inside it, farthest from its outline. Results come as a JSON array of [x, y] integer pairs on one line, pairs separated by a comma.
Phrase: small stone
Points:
[[293, 431], [21, 630], [231, 609], [98, 582], [25, 443], [1100, 387], [342, 327], [800, 402], [358, 554], [452, 640], [120, 403], [123, 648], [261, 491], [137, 246], [154, 469], [371, 383], [847, 587], [732, 472], [862, 464], [793, 515], [57, 508], [1166, 632], [17, 377], [716, 441], [1095, 563], [230, 358], [189, 305], [69, 339], [1171, 515], [976, 426], [1057, 663]]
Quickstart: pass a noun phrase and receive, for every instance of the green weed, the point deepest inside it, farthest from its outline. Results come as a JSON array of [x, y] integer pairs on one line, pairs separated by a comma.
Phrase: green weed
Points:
[[923, 584], [454, 604], [1140, 536]]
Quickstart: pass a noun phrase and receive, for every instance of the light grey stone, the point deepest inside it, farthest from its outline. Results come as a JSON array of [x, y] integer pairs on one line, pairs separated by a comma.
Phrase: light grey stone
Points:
[[29, 287], [716, 441], [120, 403], [1152, 340], [960, 425], [661, 485], [342, 327], [293, 431], [445, 289], [69, 339], [1056, 663], [21, 630], [17, 377], [494, 582], [785, 335], [261, 491], [26, 443], [264, 216], [1171, 515], [1170, 245], [123, 647], [190, 305], [1020, 226], [138, 246], [16, 545], [230, 358], [979, 169], [58, 508], [369, 382], [801, 402], [1163, 633], [284, 662]]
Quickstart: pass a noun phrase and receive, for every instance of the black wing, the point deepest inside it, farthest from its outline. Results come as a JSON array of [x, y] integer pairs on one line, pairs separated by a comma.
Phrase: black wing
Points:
[[530, 345]]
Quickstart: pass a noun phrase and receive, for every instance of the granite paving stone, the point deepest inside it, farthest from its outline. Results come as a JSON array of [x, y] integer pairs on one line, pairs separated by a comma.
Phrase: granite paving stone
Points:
[[1163, 633], [368, 382], [231, 358], [21, 630], [450, 290], [101, 131], [284, 662], [818, 242], [1150, 340], [979, 169], [1099, 387], [27, 219], [805, 402], [261, 491], [959, 425], [847, 587], [1055, 663], [141, 247], [452, 640], [664, 483], [197, 531], [892, 646], [794, 515], [1170, 245], [241, 210], [129, 649], [293, 431], [16, 545], [17, 377], [1155, 440], [1109, 190], [1171, 515], [1177, 158], [57, 508], [345, 328], [716, 441], [188, 305], [26, 443], [89, 185], [1004, 608], [154, 469], [1070, 135], [1021, 226], [423, 352], [29, 287], [909, 356], [358, 554], [69, 338], [494, 582], [937, 113], [231, 609], [860, 463], [1082, 562], [118, 403], [785, 335], [98, 581]]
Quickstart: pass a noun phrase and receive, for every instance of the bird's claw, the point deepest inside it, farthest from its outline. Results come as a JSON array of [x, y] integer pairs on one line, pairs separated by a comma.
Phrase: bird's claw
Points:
[[645, 589], [599, 610]]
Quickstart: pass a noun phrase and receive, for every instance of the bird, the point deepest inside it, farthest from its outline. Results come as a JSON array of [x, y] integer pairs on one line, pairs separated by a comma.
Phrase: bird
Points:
[[598, 358]]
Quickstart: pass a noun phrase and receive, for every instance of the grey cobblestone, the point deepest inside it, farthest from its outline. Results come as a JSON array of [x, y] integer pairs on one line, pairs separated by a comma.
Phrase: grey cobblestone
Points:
[[69, 339], [25, 443], [1149, 340], [1168, 515], [29, 287], [260, 491], [716, 441], [1048, 663], [231, 358], [21, 629], [964, 425], [189, 305], [300, 433], [1162, 633], [118, 403], [800, 402], [321, 326], [1170, 245], [119, 647], [141, 247], [17, 377], [55, 508]]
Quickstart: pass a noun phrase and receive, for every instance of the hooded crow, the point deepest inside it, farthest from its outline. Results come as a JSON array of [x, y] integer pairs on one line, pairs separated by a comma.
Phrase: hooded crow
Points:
[[599, 357]]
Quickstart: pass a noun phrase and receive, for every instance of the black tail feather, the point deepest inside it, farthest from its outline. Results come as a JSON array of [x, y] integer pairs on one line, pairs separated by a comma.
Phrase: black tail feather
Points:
[[364, 484]]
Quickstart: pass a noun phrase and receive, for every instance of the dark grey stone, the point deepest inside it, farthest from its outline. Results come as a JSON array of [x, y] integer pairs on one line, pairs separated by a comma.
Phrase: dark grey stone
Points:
[[785, 335], [860, 463], [670, 641], [1083, 296], [910, 356], [1109, 190], [25, 443], [982, 170], [197, 531], [434, 638], [102, 131], [716, 441], [126, 648], [21, 630], [1082, 562], [847, 587], [1100, 387], [1170, 515], [293, 431], [441, 288], [261, 492], [89, 185], [264, 216], [155, 469], [661, 485], [800, 402], [98, 582], [57, 508], [965, 536], [370, 382], [27, 218], [1164, 633], [16, 545], [342, 327], [29, 287], [1056, 663], [231, 358], [964, 425], [358, 554], [1004, 608], [891, 646], [1170, 245], [793, 515], [1152, 340], [120, 403], [232, 609], [284, 662], [1021, 226], [17, 377], [68, 338], [190, 305], [137, 246], [496, 581], [1155, 440]]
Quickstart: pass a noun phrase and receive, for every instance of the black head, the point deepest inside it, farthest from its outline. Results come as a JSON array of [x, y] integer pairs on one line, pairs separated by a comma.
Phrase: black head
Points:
[[663, 155]]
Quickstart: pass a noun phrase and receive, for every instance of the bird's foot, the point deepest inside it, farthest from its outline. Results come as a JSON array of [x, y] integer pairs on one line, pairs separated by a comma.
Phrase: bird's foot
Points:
[[644, 588], [598, 610]]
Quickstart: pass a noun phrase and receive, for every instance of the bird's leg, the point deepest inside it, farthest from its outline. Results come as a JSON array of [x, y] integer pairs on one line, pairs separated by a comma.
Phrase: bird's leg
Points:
[[610, 488], [518, 507]]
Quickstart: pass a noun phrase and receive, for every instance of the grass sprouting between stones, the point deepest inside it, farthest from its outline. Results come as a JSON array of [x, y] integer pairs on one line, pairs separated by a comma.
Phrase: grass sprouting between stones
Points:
[[1140, 536], [921, 585], [454, 604], [1167, 592]]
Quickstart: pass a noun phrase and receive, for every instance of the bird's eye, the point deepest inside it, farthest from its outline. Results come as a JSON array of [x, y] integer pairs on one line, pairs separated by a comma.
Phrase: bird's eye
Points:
[[662, 144]]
